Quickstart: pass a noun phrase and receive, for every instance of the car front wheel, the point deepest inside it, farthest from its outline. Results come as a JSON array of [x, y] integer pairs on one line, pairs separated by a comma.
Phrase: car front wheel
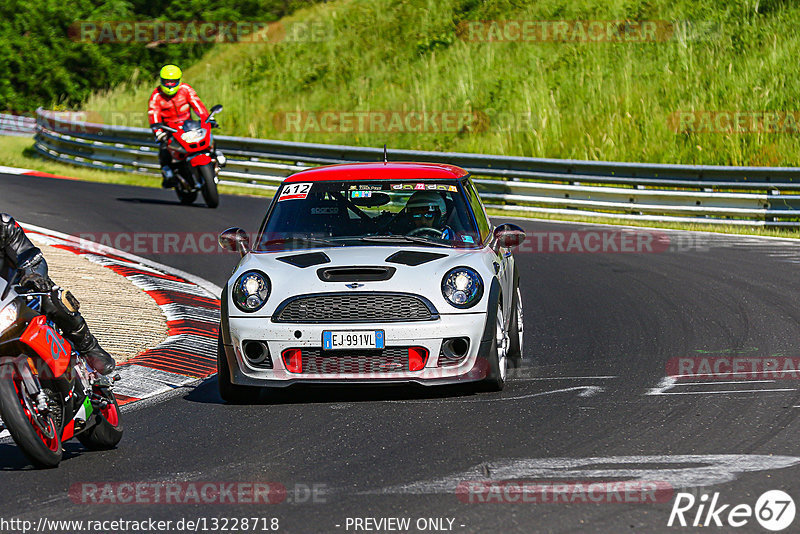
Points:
[[229, 391], [515, 333], [498, 355]]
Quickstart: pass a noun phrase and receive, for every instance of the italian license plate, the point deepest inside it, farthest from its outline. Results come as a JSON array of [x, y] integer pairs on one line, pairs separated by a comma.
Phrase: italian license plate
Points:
[[352, 339]]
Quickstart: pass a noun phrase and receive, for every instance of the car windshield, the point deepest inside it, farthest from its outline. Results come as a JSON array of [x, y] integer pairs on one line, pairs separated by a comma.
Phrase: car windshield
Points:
[[397, 212]]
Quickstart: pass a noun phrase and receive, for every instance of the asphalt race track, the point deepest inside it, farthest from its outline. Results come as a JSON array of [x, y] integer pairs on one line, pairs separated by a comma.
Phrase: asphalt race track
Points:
[[592, 403]]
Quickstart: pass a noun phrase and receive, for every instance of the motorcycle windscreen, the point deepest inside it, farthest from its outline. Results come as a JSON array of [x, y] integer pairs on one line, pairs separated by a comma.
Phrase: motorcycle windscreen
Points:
[[53, 349]]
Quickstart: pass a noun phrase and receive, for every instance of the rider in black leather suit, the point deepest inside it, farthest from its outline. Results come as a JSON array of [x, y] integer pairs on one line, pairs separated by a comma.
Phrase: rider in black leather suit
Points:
[[18, 254]]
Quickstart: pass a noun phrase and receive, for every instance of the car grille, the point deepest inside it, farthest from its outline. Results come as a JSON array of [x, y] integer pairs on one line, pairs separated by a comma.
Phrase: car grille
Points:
[[388, 360], [354, 308]]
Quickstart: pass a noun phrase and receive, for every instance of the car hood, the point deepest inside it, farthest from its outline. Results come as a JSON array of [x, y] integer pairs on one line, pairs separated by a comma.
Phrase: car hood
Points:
[[289, 280]]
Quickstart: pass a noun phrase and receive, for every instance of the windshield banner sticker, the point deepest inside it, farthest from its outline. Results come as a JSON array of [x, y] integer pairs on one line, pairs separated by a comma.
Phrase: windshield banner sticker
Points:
[[295, 191], [428, 187]]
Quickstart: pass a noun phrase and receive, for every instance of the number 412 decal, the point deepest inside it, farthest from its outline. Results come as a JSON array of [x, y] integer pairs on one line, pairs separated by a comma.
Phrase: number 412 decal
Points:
[[294, 191]]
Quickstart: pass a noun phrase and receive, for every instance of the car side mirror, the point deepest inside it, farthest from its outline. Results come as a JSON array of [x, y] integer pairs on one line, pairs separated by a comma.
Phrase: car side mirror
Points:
[[216, 109], [509, 235], [235, 240]]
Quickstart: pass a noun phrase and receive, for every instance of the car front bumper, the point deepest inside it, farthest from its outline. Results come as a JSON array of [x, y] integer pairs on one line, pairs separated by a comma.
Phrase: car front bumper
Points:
[[427, 334]]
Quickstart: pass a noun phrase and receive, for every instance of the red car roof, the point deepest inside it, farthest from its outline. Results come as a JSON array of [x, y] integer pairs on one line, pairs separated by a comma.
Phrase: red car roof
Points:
[[380, 171]]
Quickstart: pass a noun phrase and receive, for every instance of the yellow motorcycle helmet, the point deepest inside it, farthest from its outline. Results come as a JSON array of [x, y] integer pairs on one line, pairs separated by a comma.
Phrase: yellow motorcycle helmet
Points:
[[170, 79]]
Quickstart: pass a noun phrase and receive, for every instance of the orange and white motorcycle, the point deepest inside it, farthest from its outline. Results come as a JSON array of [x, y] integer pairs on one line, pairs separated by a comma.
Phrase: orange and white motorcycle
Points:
[[48, 392]]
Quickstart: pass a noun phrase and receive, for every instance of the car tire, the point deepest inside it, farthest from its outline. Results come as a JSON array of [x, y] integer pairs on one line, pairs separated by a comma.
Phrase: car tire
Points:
[[230, 392], [515, 337], [498, 356]]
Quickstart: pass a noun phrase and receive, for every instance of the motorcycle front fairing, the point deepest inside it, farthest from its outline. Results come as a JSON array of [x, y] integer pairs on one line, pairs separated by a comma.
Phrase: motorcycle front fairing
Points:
[[54, 350], [193, 143]]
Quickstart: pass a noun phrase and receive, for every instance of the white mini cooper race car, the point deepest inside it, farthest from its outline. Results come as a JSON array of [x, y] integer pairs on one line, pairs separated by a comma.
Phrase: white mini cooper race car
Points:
[[371, 273]]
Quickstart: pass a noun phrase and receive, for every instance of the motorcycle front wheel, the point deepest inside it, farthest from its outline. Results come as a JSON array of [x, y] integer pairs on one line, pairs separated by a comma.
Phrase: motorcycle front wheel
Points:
[[108, 430], [210, 193], [34, 432], [186, 197]]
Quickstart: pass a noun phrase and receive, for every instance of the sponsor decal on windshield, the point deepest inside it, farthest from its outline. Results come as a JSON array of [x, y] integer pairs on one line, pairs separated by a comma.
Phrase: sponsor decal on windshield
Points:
[[425, 187], [360, 194], [295, 191], [366, 187]]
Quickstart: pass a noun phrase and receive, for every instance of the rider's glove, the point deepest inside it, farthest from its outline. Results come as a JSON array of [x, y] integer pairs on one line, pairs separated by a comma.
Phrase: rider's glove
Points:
[[33, 281], [161, 136]]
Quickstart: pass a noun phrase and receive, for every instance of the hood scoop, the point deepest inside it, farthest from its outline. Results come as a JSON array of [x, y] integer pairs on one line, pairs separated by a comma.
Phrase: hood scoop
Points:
[[305, 260], [355, 274], [413, 257]]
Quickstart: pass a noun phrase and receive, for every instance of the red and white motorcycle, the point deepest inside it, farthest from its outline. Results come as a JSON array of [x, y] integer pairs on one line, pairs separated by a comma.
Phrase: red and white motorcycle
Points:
[[194, 158]]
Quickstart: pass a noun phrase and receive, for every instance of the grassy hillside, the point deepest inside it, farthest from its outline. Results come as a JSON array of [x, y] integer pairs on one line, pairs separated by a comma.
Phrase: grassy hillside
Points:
[[586, 100]]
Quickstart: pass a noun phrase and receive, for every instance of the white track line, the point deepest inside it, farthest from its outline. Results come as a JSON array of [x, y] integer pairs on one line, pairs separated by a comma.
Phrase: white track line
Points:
[[585, 391], [725, 382], [730, 391], [566, 378], [729, 374]]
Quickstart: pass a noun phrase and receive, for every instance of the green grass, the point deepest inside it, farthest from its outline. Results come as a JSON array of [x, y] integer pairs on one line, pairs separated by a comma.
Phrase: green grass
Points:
[[597, 101]]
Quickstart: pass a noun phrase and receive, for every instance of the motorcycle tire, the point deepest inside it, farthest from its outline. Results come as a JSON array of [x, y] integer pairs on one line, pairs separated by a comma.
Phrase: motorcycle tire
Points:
[[210, 193], [186, 197], [107, 433], [41, 443]]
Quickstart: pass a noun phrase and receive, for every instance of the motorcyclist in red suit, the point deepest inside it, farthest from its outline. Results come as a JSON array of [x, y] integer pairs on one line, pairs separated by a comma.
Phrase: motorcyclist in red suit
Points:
[[19, 255], [172, 103]]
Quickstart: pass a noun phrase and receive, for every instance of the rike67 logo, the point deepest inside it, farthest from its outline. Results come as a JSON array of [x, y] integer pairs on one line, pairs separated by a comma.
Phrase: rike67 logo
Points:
[[774, 510]]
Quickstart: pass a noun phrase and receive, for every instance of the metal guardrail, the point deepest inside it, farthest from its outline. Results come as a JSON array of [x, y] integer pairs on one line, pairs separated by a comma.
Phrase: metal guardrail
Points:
[[17, 125], [691, 193]]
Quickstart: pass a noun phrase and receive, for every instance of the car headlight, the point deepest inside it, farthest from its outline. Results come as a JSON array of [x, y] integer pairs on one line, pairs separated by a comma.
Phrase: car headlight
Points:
[[251, 290], [8, 316], [462, 287], [193, 136]]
